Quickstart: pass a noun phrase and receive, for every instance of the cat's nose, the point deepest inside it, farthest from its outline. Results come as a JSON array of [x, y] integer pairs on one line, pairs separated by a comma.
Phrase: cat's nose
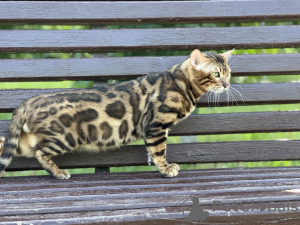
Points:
[[225, 85]]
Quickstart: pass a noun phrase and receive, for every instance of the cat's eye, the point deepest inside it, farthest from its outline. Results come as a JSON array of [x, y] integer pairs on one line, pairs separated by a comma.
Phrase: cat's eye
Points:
[[216, 74]]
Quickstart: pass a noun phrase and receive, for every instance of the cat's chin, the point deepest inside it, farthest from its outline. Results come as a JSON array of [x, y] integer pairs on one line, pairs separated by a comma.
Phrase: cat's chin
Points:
[[219, 90]]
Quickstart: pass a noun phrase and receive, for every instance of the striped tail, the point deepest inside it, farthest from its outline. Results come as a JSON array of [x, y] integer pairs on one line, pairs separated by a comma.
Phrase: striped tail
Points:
[[10, 145]]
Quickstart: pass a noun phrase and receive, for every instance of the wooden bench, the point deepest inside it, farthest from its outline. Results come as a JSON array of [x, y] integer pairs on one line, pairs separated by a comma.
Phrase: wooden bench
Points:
[[250, 195]]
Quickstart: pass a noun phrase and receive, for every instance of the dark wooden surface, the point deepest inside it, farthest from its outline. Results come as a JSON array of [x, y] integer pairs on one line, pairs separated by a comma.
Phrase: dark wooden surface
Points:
[[232, 123], [250, 94], [149, 39], [186, 153], [145, 197], [147, 12], [132, 67], [139, 197]]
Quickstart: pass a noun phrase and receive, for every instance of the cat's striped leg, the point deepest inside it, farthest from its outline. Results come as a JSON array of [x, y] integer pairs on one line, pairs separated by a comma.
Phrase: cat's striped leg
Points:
[[50, 166], [2, 139], [157, 147]]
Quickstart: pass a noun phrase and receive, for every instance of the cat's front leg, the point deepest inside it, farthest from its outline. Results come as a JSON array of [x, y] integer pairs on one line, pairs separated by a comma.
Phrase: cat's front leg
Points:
[[157, 147]]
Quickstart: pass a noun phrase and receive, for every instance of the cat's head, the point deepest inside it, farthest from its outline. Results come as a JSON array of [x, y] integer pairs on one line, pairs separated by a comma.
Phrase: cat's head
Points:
[[211, 71]]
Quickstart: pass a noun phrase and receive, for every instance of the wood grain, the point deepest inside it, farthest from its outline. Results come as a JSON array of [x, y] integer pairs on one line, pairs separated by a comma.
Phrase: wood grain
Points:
[[228, 123], [149, 39], [147, 12], [146, 197], [132, 67], [179, 153], [137, 197], [253, 94]]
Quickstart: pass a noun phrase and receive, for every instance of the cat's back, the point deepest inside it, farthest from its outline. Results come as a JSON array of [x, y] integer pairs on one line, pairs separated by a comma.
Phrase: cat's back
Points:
[[101, 117]]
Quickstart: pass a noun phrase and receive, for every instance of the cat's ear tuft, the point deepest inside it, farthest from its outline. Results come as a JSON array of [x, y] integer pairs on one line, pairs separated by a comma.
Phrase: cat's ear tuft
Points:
[[197, 58], [227, 55]]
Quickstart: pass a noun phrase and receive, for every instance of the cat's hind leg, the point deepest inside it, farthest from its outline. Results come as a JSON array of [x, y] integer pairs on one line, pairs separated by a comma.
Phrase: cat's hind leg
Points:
[[50, 166]]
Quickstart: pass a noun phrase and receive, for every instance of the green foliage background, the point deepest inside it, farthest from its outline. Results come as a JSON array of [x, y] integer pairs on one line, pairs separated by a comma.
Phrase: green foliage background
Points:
[[200, 138]]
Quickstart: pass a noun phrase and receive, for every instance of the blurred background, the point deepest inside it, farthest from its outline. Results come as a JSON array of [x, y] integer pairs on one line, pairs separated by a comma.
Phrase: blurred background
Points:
[[233, 106]]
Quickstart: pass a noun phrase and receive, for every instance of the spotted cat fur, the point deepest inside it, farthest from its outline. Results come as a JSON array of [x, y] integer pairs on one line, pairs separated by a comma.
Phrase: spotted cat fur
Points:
[[107, 117]]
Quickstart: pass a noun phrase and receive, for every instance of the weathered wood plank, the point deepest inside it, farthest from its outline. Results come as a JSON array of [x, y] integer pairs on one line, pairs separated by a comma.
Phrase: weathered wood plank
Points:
[[139, 201], [146, 12], [96, 194], [224, 174], [160, 216], [253, 94], [238, 123], [231, 123], [132, 67], [148, 39], [180, 153]]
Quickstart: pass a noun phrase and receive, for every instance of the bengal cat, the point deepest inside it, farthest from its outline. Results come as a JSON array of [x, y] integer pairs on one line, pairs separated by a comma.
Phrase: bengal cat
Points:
[[107, 117]]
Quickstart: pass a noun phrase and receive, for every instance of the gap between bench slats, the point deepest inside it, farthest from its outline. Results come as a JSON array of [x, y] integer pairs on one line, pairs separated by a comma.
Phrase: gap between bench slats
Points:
[[149, 39], [253, 94], [180, 153], [132, 67], [253, 122], [147, 12]]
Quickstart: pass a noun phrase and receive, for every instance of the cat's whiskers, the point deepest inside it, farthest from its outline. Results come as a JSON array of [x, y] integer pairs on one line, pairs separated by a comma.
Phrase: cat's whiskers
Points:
[[228, 95], [209, 93], [218, 99], [230, 64], [234, 98], [213, 97], [240, 95]]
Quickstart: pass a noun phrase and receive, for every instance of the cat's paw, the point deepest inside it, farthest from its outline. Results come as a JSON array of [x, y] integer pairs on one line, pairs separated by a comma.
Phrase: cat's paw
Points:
[[171, 170], [62, 175]]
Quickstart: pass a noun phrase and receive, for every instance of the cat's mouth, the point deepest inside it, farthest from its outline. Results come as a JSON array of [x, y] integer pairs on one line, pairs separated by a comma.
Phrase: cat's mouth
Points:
[[220, 89]]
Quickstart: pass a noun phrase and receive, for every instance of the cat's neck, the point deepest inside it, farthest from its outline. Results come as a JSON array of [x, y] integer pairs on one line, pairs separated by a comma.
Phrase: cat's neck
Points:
[[184, 71]]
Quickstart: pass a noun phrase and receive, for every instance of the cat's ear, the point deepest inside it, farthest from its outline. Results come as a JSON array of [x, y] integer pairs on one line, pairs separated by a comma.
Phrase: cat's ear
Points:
[[227, 55], [197, 58]]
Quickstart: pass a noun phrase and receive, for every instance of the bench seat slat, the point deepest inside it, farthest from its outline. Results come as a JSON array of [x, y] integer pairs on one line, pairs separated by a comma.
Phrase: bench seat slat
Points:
[[180, 153], [254, 94], [146, 12], [159, 216], [120, 202], [232, 123], [118, 193], [132, 67], [149, 39], [137, 201], [263, 175]]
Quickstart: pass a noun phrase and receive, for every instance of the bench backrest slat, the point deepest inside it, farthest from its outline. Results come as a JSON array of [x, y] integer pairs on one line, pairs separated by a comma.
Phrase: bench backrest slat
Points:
[[136, 155], [130, 67], [232, 123], [147, 12], [149, 39], [254, 94]]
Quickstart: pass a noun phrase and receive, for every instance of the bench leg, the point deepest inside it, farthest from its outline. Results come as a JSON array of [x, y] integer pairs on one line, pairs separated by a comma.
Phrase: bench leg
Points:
[[50, 166], [157, 148]]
